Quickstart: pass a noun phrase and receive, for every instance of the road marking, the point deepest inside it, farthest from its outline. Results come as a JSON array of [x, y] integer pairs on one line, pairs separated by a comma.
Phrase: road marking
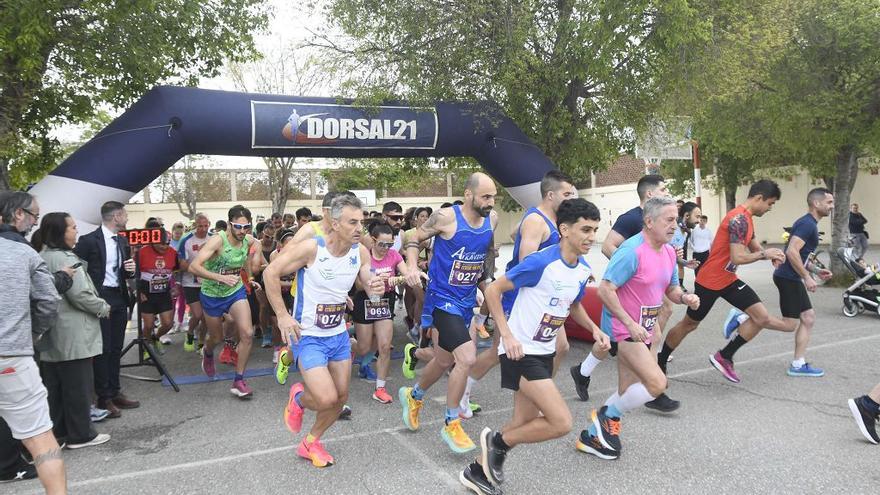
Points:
[[443, 475]]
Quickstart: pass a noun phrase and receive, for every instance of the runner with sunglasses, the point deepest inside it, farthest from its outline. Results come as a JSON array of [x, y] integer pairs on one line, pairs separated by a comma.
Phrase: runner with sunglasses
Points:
[[219, 264]]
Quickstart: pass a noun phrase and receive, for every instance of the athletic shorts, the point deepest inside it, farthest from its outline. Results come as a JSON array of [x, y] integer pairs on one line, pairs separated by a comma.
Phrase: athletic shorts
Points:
[[157, 303], [793, 297], [738, 294], [23, 398], [365, 312], [255, 307], [452, 330], [218, 306], [191, 294], [313, 352], [531, 367]]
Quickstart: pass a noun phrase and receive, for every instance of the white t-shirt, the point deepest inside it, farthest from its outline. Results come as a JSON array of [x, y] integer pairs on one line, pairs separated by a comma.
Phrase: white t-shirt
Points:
[[189, 248], [701, 239]]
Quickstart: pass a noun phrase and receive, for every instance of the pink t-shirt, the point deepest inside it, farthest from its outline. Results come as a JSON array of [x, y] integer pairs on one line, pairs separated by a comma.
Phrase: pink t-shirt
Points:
[[387, 265]]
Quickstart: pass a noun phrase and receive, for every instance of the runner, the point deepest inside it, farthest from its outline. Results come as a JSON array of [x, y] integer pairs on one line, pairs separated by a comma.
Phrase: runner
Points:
[[462, 235], [639, 274], [548, 285], [326, 268], [537, 230], [157, 263], [280, 357], [219, 263], [267, 247], [866, 412], [303, 216], [734, 245]]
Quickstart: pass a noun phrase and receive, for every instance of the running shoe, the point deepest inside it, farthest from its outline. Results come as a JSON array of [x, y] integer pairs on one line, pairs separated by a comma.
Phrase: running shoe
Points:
[[98, 440], [607, 428], [282, 367], [724, 366], [366, 373], [96, 415], [491, 457], [314, 452], [22, 471], [481, 332], [456, 438], [865, 419], [241, 390], [411, 408], [345, 413], [188, 344], [732, 322], [663, 404], [208, 365], [414, 334], [409, 361], [293, 413], [805, 370], [581, 383], [475, 480], [381, 395], [475, 408], [592, 445], [267, 339], [225, 354]]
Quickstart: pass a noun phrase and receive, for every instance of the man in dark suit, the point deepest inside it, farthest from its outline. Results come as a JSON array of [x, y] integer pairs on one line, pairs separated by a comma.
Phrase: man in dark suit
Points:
[[109, 265]]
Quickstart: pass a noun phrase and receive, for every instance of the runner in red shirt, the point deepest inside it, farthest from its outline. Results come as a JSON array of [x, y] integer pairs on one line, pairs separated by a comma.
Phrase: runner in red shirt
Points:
[[734, 245], [158, 262]]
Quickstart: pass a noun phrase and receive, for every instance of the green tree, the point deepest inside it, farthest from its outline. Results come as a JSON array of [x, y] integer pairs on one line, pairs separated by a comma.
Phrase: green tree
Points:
[[60, 60]]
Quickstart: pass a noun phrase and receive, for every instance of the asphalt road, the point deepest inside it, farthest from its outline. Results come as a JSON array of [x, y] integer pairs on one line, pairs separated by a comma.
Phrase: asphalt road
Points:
[[769, 434]]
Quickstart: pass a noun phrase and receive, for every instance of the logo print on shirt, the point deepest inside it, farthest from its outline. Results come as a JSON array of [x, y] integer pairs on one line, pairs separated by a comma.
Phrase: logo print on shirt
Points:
[[554, 302], [353, 260]]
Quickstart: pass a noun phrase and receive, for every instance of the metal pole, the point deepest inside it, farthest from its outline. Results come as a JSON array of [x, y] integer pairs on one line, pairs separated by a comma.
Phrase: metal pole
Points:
[[698, 189]]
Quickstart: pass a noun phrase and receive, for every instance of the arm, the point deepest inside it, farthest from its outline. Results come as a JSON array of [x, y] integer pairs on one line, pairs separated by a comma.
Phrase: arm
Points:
[[579, 315], [208, 250], [287, 261], [740, 254], [44, 298], [612, 241], [82, 297], [512, 347], [255, 259], [437, 223], [533, 231], [369, 281]]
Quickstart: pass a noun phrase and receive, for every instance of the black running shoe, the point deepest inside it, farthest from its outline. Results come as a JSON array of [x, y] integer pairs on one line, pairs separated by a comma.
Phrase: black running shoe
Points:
[[23, 471], [345, 413], [663, 404], [865, 419], [473, 478], [591, 445], [581, 383], [608, 428], [492, 457]]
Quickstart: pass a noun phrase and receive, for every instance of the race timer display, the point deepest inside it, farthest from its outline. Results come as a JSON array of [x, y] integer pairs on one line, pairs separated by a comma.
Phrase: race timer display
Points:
[[141, 237]]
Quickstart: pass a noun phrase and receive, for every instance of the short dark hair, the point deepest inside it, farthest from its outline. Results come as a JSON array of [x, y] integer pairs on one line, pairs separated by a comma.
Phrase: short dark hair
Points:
[[458, 202], [648, 183], [419, 211], [109, 208], [765, 188], [391, 206], [303, 212], [446, 204], [11, 201], [572, 210], [552, 180], [52, 228], [239, 211], [686, 208], [816, 194], [703, 217], [275, 215], [283, 234], [379, 228], [152, 223], [258, 228], [221, 225], [288, 216]]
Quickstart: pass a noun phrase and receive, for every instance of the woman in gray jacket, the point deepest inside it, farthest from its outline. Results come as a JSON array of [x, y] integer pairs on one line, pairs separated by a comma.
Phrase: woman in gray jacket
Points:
[[67, 350]]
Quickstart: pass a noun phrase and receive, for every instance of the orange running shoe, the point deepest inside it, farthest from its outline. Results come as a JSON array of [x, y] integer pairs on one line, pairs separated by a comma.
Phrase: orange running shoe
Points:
[[457, 439], [381, 395], [314, 452], [293, 413]]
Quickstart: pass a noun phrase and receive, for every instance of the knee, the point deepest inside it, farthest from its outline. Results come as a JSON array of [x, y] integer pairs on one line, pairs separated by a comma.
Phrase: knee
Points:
[[465, 360], [246, 336], [561, 426], [656, 384], [326, 400], [342, 398], [384, 348], [808, 319]]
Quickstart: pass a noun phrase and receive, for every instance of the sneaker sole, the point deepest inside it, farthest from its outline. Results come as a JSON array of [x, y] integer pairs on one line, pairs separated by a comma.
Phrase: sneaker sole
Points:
[[812, 375], [468, 484], [663, 410], [380, 401], [581, 446], [857, 415], [315, 461], [484, 456], [404, 404], [241, 395], [594, 415], [717, 366], [93, 443], [453, 447]]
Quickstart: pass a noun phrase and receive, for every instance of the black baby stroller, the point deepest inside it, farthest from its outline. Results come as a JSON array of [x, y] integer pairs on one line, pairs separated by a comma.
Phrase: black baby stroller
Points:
[[860, 295]]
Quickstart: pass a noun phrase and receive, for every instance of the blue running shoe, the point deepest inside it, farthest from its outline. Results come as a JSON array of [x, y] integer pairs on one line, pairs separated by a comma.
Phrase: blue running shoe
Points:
[[805, 370], [367, 373], [731, 323]]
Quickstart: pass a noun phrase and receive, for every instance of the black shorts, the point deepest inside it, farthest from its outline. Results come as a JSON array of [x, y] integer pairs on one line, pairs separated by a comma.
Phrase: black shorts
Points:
[[531, 367], [365, 312], [157, 303], [255, 307], [288, 300], [738, 294], [452, 330], [793, 297], [191, 295]]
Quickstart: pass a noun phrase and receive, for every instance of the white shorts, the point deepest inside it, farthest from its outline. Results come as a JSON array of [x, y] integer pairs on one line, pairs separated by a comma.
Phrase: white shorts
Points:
[[23, 402]]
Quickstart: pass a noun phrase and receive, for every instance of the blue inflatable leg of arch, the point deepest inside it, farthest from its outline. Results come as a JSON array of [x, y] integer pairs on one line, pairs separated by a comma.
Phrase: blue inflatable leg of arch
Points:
[[171, 122]]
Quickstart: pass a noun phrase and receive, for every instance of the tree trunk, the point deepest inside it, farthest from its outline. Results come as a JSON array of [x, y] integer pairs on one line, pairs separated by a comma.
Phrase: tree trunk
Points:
[[842, 183], [730, 197], [4, 174]]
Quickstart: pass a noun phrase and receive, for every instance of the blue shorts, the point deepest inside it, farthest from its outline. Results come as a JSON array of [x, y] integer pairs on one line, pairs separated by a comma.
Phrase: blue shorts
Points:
[[312, 352], [463, 309], [218, 306]]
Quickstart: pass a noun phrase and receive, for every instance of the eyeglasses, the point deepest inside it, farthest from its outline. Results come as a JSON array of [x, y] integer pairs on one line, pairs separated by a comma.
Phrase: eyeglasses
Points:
[[29, 212], [240, 226], [396, 218], [386, 245]]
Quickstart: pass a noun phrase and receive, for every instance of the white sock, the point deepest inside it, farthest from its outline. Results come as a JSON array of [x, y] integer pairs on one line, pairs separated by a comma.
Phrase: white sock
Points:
[[466, 396], [611, 400], [635, 396], [797, 363], [742, 317], [380, 383], [479, 319], [589, 365]]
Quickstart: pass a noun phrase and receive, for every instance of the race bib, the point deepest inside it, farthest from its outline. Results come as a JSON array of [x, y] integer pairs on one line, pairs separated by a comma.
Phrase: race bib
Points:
[[465, 273], [379, 310], [730, 267], [548, 328], [159, 284], [649, 316], [329, 316], [230, 271]]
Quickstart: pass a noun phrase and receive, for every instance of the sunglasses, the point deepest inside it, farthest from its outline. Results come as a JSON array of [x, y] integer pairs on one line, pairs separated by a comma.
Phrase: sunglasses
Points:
[[386, 245], [395, 217], [240, 226]]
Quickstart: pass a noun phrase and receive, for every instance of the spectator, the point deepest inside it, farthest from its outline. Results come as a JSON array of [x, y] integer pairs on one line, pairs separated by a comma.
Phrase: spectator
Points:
[[67, 350], [276, 220], [176, 234], [857, 230], [700, 241], [288, 221], [303, 216]]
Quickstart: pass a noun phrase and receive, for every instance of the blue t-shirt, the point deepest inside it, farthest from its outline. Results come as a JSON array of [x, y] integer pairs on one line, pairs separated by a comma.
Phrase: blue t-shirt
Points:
[[630, 223], [508, 297], [807, 228]]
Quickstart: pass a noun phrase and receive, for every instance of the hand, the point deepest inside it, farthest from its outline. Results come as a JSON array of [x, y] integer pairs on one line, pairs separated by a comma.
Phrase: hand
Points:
[[774, 255], [230, 280], [129, 265], [376, 286], [679, 252], [825, 274], [414, 277], [692, 264], [256, 285], [601, 339], [512, 348], [637, 332], [349, 303], [810, 284], [69, 270], [289, 329], [691, 300]]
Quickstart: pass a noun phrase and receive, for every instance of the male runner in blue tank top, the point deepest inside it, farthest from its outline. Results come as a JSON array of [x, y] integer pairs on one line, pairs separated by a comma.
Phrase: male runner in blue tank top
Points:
[[537, 230], [462, 235]]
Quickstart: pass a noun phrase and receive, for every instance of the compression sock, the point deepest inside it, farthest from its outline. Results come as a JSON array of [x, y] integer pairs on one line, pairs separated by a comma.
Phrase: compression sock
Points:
[[732, 346], [634, 396], [663, 356], [451, 414]]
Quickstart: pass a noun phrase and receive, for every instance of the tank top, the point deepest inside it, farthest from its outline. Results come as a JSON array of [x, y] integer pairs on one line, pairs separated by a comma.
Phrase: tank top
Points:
[[457, 264], [509, 297], [322, 289], [229, 261]]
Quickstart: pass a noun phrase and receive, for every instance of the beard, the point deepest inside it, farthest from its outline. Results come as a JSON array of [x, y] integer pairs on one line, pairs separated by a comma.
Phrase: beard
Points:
[[484, 211]]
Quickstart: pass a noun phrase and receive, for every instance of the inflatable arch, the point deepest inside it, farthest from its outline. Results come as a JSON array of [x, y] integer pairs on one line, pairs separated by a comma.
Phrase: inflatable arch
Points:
[[171, 122]]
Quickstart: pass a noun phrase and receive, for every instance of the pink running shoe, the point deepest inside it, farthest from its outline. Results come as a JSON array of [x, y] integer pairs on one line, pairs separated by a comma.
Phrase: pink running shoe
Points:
[[241, 390], [314, 452], [724, 366], [208, 365], [293, 413]]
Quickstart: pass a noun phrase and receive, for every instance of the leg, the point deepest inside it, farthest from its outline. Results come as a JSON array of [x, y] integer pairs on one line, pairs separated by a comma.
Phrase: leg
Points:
[[47, 459], [486, 360], [241, 315], [364, 334], [760, 318], [541, 412], [326, 390], [440, 362], [166, 322], [214, 330], [76, 377], [384, 330], [54, 383], [562, 347], [802, 335], [464, 356], [149, 323]]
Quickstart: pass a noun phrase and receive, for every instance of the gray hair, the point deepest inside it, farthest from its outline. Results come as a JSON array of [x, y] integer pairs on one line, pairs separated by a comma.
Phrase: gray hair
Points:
[[12, 201], [654, 206], [341, 202], [199, 216]]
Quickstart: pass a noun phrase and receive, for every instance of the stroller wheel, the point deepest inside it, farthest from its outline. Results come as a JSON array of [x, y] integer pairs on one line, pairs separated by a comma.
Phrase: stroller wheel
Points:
[[851, 308]]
